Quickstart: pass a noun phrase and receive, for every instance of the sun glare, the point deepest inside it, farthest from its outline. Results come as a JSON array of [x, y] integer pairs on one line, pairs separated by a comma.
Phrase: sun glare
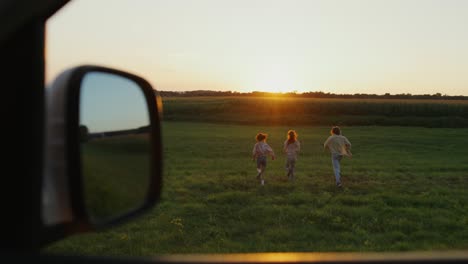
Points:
[[275, 80]]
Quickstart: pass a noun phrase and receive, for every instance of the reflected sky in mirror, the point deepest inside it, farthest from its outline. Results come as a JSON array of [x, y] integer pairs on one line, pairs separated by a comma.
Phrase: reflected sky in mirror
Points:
[[110, 103]]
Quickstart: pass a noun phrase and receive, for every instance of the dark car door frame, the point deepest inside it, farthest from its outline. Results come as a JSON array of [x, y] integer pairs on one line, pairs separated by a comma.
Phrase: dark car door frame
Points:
[[22, 78]]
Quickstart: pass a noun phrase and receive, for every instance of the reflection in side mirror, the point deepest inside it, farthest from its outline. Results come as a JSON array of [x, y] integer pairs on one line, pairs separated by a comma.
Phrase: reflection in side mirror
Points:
[[115, 145]]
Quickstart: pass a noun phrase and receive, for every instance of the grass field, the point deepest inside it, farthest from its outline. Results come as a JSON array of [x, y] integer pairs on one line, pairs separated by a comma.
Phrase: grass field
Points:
[[404, 189]]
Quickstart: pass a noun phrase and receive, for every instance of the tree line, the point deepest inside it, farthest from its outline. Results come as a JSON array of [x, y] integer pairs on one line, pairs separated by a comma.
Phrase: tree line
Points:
[[319, 94]]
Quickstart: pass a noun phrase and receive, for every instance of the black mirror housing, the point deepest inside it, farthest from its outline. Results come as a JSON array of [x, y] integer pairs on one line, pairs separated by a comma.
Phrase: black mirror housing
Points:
[[64, 210]]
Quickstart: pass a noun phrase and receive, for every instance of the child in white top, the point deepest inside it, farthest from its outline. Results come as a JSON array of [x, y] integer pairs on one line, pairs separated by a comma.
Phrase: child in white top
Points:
[[291, 147], [260, 152], [339, 146]]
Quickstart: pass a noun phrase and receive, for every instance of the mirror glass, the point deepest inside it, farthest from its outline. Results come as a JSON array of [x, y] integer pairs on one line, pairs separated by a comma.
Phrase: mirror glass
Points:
[[114, 131]]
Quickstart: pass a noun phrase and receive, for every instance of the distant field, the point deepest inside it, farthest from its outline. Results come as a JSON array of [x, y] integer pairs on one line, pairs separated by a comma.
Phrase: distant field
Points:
[[405, 189], [312, 111]]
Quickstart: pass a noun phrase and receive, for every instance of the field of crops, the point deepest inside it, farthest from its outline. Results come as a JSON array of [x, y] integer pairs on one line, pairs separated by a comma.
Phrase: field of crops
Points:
[[404, 189], [312, 111]]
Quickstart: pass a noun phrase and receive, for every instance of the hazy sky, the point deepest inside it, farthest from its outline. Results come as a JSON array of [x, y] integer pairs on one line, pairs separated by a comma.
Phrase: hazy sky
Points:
[[111, 103], [348, 46]]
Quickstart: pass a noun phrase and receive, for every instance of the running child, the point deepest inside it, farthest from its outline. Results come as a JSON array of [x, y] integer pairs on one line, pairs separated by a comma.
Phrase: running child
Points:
[[260, 152], [291, 147], [339, 146]]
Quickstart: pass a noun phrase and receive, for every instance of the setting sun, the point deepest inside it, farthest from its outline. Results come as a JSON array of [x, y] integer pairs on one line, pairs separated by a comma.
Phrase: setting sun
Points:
[[275, 79]]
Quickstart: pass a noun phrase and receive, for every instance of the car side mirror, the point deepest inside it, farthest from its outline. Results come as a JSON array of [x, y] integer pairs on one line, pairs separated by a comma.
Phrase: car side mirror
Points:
[[103, 161]]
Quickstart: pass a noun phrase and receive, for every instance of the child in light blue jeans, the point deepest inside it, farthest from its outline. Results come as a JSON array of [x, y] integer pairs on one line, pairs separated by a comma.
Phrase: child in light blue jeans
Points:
[[339, 146]]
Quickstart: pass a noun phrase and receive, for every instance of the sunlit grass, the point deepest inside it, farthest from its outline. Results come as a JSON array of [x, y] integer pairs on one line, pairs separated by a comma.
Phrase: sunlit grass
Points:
[[404, 189]]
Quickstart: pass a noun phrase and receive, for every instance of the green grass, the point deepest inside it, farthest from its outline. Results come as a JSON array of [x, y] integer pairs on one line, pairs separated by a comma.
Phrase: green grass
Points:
[[404, 189]]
